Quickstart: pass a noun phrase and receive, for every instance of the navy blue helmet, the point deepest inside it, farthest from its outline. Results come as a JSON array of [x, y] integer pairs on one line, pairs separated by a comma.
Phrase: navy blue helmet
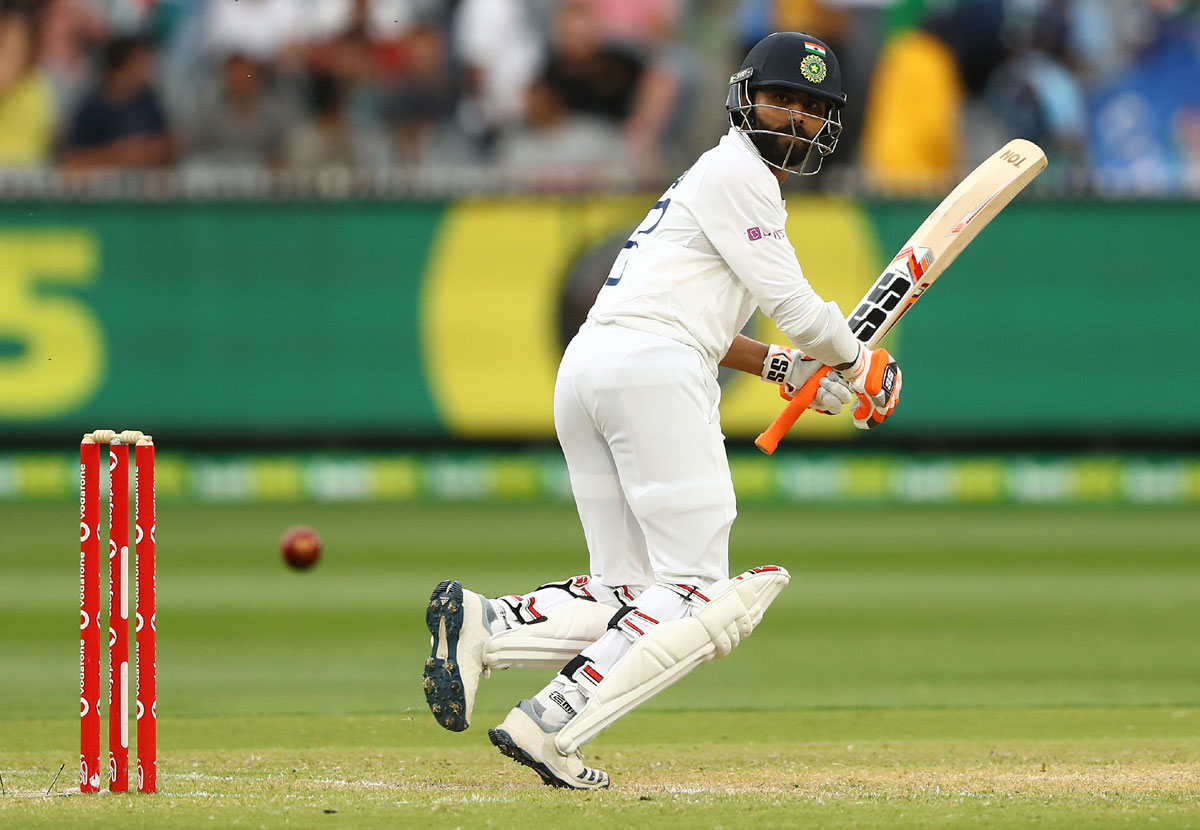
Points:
[[798, 62]]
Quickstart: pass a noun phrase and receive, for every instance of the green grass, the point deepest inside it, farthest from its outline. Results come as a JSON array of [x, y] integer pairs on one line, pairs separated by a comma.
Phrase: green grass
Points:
[[985, 668]]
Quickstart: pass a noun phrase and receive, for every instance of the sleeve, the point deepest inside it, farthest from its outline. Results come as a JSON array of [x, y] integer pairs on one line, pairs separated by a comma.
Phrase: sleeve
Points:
[[86, 130], [156, 116], [745, 224]]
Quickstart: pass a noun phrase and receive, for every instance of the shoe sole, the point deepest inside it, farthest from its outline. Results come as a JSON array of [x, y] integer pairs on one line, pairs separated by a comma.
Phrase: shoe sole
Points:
[[442, 680], [509, 748]]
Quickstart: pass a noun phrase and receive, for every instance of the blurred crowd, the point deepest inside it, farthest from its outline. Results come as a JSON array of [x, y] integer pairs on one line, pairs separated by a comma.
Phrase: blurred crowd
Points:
[[575, 91]]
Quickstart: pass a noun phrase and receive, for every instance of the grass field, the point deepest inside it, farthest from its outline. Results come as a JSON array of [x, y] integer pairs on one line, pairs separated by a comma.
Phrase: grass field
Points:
[[980, 668]]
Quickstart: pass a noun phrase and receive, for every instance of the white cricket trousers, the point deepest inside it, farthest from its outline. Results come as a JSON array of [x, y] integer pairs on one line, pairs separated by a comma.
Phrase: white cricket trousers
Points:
[[638, 420]]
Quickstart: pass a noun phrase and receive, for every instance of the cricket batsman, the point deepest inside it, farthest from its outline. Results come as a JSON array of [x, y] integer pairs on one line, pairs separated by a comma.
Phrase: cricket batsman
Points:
[[636, 412]]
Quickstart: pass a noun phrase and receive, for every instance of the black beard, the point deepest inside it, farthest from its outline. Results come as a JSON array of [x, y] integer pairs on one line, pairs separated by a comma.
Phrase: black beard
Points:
[[774, 148]]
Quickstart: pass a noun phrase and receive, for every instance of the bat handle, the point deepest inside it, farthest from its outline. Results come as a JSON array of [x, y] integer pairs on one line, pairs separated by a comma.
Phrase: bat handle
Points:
[[805, 395]]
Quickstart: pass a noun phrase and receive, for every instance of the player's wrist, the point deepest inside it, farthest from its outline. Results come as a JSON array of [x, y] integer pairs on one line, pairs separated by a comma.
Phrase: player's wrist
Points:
[[777, 365], [857, 367], [866, 374]]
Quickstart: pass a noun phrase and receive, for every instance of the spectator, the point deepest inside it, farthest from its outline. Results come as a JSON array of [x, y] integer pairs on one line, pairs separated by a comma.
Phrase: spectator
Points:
[[131, 15], [497, 45], [857, 39], [660, 115], [973, 29], [556, 145], [755, 19], [184, 56], [1034, 93], [72, 31], [385, 22], [1103, 36], [265, 30], [364, 37], [1106, 86], [330, 140], [638, 22], [424, 98], [27, 114], [912, 136], [240, 121], [1144, 133], [120, 123], [594, 75], [349, 58]]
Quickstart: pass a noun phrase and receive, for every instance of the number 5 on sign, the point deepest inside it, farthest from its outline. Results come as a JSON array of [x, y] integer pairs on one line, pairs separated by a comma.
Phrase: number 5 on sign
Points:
[[52, 351]]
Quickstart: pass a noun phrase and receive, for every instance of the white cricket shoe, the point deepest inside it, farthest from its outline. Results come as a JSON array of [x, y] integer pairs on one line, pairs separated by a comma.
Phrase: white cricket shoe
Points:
[[459, 631], [529, 740]]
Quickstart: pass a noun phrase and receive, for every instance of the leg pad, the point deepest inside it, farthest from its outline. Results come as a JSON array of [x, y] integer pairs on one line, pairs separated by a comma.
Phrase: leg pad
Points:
[[553, 641], [672, 649]]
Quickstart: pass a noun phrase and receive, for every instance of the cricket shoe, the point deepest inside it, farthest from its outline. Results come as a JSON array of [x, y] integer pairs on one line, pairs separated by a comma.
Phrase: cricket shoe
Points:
[[459, 631], [529, 740]]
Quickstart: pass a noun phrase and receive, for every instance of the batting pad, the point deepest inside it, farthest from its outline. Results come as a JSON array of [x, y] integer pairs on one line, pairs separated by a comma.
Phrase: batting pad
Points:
[[552, 642], [670, 650]]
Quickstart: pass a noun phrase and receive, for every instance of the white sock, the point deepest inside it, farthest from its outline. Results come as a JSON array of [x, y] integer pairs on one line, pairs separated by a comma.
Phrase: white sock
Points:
[[560, 701], [500, 616]]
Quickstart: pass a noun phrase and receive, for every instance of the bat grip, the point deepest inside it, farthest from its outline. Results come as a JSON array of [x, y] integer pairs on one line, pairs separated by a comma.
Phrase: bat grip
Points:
[[805, 395]]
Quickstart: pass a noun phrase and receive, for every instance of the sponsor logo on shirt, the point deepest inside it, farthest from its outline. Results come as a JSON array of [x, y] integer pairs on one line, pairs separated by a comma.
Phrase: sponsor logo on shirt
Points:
[[755, 234]]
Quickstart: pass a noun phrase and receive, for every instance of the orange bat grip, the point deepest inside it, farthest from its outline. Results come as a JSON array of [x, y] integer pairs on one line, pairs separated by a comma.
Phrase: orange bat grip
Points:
[[772, 435]]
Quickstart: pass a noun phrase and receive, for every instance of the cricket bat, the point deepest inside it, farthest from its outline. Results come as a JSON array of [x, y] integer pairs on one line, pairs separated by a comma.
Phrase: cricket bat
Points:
[[925, 257]]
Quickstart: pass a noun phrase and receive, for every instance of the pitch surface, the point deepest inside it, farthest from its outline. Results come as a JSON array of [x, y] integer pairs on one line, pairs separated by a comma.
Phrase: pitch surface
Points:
[[996, 667]]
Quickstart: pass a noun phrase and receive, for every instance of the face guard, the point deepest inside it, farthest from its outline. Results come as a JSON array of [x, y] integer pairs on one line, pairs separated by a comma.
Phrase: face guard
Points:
[[780, 148]]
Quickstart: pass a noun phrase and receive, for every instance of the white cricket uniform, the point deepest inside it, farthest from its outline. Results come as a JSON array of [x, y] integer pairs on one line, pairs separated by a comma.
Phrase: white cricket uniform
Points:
[[636, 400]]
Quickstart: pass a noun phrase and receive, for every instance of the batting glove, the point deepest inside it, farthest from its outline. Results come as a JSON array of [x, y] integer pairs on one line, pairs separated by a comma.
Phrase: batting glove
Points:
[[791, 369], [875, 378]]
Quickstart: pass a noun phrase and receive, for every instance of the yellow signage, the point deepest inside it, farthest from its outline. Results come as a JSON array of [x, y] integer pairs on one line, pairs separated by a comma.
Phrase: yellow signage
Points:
[[493, 296], [59, 357]]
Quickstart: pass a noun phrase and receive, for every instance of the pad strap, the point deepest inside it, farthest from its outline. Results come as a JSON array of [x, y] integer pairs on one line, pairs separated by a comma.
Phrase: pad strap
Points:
[[584, 587], [583, 671], [632, 622]]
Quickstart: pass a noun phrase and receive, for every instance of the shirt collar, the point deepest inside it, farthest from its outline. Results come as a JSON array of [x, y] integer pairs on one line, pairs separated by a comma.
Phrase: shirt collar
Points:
[[742, 140]]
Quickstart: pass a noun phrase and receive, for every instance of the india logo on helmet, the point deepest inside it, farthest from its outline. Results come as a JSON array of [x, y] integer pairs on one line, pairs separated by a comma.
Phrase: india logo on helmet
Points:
[[813, 68]]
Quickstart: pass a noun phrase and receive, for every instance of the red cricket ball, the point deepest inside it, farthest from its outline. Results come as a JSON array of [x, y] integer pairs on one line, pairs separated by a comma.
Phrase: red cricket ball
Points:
[[300, 547]]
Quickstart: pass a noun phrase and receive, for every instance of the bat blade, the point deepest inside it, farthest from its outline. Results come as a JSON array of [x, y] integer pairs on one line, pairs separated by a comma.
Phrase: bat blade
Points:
[[944, 234]]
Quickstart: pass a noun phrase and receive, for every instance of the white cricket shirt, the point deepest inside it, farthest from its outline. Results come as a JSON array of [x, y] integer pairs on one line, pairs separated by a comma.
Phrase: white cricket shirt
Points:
[[710, 251]]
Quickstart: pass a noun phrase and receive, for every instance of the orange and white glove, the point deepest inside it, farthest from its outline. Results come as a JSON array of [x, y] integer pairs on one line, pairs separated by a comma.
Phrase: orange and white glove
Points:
[[791, 369], [875, 378]]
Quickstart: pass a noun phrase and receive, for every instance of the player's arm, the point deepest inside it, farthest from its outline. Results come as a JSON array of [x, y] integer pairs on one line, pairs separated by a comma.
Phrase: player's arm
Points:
[[738, 210], [744, 222], [745, 355], [788, 368]]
